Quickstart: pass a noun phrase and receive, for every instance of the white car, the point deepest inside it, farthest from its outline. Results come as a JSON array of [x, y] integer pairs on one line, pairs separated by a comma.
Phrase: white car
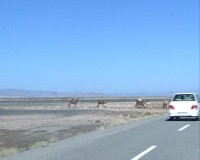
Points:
[[184, 105]]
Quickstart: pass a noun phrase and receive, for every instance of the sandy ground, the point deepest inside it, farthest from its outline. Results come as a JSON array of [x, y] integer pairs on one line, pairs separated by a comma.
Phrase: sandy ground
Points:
[[50, 124]]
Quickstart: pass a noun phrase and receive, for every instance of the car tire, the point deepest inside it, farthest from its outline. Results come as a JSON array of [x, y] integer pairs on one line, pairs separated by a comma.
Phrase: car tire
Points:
[[177, 118], [197, 119], [171, 118]]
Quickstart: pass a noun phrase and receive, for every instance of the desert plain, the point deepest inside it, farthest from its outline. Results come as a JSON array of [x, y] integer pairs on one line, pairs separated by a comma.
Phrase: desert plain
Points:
[[29, 123]]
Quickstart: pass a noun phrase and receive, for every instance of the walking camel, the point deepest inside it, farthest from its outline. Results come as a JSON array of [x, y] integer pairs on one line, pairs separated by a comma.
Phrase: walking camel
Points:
[[141, 102], [72, 101], [103, 102], [165, 104]]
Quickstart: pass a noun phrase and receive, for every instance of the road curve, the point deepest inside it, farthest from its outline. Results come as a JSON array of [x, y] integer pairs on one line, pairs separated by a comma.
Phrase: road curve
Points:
[[152, 139]]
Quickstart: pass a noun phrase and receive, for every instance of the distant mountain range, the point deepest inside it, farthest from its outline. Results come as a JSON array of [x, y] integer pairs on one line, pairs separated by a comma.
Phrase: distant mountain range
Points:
[[31, 93]]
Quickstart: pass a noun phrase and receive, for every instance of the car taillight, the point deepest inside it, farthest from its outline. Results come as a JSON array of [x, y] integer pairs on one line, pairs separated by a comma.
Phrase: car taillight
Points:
[[194, 107], [171, 107]]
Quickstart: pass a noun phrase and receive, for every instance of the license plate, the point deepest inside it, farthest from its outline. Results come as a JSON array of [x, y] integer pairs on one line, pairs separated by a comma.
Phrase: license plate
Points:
[[183, 113]]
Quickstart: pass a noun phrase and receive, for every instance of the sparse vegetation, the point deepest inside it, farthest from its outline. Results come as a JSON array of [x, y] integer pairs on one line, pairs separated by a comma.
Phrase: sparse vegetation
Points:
[[24, 132], [39, 144], [9, 151]]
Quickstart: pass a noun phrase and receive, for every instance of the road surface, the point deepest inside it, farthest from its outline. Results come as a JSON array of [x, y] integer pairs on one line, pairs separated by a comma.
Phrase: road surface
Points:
[[152, 139]]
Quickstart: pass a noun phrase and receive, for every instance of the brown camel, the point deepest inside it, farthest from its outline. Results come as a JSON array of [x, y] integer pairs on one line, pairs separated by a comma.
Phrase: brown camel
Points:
[[103, 102], [165, 104], [72, 101], [141, 102]]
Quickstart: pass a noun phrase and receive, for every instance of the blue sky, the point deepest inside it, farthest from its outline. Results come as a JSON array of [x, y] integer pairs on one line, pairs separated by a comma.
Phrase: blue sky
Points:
[[110, 46]]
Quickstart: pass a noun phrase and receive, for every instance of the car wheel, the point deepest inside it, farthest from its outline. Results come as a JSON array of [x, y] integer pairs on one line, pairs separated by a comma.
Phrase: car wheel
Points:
[[197, 119], [171, 118], [177, 118]]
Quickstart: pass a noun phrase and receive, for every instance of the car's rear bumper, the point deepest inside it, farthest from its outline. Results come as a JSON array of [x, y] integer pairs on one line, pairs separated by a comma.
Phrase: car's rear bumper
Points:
[[184, 114]]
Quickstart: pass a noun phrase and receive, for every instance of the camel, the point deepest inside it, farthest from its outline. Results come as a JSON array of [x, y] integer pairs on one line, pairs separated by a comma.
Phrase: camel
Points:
[[103, 102], [141, 102], [72, 101], [165, 104]]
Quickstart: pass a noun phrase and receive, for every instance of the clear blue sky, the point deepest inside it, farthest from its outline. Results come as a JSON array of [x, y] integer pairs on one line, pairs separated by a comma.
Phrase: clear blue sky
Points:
[[123, 46]]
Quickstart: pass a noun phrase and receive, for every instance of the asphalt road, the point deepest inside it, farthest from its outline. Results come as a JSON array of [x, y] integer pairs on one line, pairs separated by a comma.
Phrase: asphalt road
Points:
[[153, 139]]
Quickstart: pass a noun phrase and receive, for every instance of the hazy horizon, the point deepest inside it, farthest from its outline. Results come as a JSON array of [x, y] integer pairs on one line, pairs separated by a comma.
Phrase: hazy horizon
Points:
[[34, 93]]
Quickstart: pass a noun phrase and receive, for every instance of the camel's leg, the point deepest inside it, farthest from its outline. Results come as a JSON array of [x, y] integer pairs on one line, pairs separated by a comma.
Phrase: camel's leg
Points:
[[69, 105]]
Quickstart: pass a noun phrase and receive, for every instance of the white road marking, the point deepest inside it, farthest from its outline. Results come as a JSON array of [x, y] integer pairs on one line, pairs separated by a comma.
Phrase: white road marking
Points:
[[143, 153], [184, 127]]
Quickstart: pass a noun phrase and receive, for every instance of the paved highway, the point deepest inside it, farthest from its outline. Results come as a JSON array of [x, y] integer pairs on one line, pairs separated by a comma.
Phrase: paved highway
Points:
[[153, 139]]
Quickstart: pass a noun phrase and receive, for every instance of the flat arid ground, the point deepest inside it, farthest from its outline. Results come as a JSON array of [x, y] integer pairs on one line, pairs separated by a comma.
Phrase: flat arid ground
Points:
[[30, 124]]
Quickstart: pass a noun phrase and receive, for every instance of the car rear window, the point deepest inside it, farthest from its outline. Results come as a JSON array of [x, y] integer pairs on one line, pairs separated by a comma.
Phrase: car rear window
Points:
[[184, 97]]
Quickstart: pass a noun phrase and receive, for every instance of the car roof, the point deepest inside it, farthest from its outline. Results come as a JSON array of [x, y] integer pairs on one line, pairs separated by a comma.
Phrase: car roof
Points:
[[185, 93]]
